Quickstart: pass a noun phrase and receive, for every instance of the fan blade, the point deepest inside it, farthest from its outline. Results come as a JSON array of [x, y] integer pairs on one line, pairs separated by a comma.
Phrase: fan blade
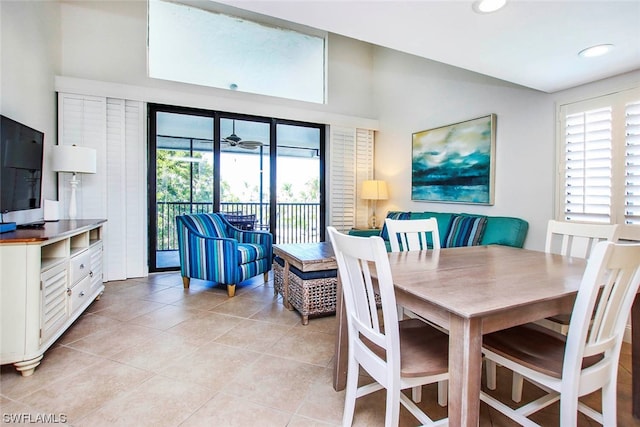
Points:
[[252, 145]]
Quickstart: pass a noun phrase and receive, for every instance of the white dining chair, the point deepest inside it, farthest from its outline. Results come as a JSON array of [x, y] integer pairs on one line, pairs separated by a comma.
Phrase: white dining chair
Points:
[[396, 354], [568, 239], [575, 240], [586, 359], [416, 235], [412, 234]]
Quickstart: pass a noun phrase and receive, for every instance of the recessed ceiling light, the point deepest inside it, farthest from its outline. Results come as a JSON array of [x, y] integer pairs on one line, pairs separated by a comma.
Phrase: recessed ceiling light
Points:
[[488, 6], [597, 50]]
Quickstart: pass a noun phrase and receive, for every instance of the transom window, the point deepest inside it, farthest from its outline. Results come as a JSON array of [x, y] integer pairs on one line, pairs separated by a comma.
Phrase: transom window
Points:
[[203, 47]]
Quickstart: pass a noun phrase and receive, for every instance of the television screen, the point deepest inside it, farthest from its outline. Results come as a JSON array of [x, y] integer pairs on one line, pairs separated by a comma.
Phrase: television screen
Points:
[[21, 150]]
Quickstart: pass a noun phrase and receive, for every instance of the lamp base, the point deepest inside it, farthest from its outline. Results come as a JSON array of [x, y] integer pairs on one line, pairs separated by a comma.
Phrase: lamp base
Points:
[[73, 210], [373, 222]]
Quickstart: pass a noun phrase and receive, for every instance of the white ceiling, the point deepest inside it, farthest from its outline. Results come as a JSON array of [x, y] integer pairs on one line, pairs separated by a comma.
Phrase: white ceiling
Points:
[[531, 43]]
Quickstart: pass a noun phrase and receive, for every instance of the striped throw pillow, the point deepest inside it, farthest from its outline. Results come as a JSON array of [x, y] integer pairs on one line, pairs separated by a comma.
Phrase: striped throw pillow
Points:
[[465, 230], [393, 215]]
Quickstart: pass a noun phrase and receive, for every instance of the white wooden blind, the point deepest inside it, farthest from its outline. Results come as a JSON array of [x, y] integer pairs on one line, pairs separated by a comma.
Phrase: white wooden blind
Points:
[[364, 171], [351, 162], [588, 166], [115, 127], [135, 193], [632, 163], [599, 160], [82, 122]]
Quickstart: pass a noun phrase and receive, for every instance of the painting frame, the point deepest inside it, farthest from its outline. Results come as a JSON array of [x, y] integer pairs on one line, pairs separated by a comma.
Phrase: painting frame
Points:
[[455, 163]]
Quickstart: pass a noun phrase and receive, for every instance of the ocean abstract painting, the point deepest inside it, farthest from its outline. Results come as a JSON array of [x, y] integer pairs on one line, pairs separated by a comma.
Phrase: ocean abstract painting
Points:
[[455, 163]]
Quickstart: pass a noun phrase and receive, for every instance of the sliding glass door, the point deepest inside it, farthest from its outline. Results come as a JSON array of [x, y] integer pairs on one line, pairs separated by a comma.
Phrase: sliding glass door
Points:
[[181, 174], [263, 173]]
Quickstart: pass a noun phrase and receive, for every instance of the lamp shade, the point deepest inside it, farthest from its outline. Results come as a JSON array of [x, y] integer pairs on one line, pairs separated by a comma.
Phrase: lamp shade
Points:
[[374, 190], [71, 158]]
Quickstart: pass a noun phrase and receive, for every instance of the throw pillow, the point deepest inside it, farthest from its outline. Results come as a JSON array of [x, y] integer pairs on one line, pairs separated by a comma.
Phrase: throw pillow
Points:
[[465, 230], [393, 215]]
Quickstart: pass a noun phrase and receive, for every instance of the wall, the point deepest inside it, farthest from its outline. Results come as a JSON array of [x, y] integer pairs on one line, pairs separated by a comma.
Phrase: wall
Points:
[[414, 94], [106, 41], [30, 57]]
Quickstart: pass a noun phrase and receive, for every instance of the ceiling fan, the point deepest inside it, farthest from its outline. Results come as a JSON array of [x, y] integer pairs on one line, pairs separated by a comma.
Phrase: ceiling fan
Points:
[[235, 141]]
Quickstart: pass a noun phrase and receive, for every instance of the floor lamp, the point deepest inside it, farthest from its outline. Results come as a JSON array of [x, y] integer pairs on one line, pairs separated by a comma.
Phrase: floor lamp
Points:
[[75, 160], [374, 190]]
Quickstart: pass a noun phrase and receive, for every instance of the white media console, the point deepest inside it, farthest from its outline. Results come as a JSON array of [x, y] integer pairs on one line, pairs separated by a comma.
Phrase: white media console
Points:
[[48, 277]]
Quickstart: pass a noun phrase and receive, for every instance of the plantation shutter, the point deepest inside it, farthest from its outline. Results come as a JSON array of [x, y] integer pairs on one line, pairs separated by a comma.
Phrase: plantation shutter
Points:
[[364, 172], [82, 122], [125, 189], [599, 161], [117, 191], [588, 163], [632, 163], [351, 162]]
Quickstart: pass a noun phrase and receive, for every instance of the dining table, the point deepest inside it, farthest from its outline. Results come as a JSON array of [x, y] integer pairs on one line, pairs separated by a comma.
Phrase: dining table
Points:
[[471, 291]]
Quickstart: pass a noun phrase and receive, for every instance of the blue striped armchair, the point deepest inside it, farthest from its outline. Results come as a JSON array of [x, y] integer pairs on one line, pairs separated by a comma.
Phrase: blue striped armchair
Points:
[[212, 249]]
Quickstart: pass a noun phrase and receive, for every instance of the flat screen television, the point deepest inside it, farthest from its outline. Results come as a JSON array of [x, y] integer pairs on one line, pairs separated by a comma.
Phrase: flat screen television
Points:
[[21, 151]]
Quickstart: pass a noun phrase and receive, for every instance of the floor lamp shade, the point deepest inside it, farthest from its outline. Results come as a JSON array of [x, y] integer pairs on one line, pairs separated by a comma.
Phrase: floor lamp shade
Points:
[[374, 190], [73, 159]]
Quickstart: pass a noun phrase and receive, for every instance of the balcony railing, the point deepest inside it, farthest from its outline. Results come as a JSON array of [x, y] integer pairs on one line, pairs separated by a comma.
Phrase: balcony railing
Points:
[[295, 222]]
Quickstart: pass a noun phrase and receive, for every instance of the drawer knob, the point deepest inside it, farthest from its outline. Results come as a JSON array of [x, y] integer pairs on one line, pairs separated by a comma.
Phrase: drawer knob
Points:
[[81, 266], [91, 274], [69, 291], [82, 293]]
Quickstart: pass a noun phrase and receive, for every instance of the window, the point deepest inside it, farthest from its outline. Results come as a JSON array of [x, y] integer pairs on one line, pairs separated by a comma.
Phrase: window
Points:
[[599, 160], [203, 47]]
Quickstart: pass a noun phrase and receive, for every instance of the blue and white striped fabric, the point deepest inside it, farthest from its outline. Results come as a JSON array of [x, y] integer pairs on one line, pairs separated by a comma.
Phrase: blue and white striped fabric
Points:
[[465, 230], [212, 249]]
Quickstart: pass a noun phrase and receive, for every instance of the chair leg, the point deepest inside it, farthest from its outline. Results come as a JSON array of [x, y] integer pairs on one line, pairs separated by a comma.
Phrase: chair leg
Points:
[[266, 276], [516, 387], [351, 392], [609, 400], [185, 282], [416, 394], [231, 290], [491, 374], [392, 416], [443, 393]]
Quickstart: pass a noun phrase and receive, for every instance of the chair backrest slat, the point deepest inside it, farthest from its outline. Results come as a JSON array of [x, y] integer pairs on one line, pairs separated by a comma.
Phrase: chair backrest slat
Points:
[[577, 239], [412, 234]]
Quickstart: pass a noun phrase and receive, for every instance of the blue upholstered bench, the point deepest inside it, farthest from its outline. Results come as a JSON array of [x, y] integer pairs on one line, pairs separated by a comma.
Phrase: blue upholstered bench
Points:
[[456, 229]]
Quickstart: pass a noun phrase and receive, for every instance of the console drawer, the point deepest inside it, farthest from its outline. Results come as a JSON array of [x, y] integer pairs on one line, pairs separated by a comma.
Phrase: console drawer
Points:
[[79, 294], [79, 267]]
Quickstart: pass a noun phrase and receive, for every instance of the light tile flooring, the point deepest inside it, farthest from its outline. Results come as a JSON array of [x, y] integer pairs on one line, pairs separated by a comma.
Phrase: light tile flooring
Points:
[[150, 353]]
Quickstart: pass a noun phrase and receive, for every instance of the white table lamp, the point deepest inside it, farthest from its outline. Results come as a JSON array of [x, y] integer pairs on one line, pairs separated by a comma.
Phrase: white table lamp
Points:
[[73, 159], [374, 190]]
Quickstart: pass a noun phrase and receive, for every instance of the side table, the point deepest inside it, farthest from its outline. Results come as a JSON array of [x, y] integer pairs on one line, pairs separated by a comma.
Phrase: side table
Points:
[[306, 276]]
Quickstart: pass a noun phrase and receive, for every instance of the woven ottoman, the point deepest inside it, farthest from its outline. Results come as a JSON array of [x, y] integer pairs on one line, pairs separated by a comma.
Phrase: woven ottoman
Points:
[[310, 285]]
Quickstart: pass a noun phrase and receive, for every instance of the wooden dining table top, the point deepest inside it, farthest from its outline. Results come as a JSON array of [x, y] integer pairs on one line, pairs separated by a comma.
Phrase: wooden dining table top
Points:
[[477, 281]]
